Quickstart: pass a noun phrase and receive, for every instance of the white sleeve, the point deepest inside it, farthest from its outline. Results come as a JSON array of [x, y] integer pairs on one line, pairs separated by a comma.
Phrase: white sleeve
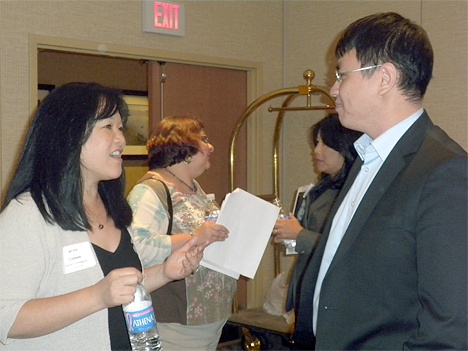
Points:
[[149, 226]]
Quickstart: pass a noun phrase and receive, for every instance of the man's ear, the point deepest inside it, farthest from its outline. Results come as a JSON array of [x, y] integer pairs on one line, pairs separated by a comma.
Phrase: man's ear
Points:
[[389, 77]]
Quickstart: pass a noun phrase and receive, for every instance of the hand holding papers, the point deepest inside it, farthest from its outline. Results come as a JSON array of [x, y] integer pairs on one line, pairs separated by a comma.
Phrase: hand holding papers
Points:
[[250, 221]]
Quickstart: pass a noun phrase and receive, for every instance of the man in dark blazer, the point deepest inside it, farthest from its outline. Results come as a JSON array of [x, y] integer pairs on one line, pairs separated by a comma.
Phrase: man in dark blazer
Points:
[[390, 272]]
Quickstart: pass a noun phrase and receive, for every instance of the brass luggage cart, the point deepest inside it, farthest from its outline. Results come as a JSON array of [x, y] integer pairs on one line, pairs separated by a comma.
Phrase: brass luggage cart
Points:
[[251, 321]]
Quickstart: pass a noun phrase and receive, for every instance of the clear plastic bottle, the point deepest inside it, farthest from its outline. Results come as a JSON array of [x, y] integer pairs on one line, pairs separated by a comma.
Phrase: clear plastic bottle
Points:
[[212, 209], [289, 244], [141, 323]]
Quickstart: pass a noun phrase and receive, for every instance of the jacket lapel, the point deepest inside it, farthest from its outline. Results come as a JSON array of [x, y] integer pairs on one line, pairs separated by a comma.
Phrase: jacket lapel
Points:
[[391, 168], [321, 201]]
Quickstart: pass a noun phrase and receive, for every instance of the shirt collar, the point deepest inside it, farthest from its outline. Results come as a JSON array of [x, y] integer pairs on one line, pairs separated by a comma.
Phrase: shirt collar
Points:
[[385, 143]]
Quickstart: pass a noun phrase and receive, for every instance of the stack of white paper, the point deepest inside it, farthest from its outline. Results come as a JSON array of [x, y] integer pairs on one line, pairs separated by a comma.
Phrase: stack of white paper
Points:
[[250, 221]]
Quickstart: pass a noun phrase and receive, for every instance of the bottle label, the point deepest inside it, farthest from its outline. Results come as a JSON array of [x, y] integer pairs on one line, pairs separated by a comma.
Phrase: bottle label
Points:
[[140, 321], [211, 218]]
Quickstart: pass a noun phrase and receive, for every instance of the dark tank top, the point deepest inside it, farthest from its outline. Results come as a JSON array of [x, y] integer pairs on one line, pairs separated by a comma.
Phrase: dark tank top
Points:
[[124, 256]]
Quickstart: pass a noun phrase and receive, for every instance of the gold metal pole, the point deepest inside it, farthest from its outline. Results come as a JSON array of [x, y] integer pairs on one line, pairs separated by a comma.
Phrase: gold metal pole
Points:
[[308, 91], [305, 90]]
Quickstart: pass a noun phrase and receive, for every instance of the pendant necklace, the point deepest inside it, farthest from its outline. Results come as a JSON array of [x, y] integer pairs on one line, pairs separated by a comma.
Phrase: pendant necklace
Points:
[[100, 226], [193, 190]]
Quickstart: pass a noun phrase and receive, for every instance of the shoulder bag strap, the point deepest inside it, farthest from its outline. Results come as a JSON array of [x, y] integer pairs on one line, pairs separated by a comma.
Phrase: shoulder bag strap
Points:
[[167, 202]]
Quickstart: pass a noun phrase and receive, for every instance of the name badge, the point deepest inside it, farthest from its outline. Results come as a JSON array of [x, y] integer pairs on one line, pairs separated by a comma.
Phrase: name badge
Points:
[[77, 257]]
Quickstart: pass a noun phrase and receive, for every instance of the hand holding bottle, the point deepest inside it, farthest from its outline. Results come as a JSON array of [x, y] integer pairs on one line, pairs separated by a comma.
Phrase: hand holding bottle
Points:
[[287, 229], [289, 244], [210, 231], [117, 287]]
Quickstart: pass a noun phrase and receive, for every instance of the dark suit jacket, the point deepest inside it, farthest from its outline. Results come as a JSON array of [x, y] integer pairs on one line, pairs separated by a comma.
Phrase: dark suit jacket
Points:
[[399, 277], [307, 240]]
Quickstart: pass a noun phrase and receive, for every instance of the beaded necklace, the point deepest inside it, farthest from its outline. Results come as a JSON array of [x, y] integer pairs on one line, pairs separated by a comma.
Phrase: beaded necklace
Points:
[[192, 189]]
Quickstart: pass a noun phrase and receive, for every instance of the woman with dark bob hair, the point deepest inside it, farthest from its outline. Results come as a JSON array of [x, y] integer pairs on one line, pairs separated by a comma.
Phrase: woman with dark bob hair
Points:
[[67, 260], [168, 209], [334, 154]]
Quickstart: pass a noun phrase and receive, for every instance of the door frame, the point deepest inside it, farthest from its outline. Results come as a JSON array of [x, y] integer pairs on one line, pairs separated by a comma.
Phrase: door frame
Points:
[[254, 72]]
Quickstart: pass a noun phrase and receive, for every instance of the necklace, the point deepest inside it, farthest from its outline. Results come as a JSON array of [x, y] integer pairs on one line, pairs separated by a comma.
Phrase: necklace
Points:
[[100, 226], [193, 190]]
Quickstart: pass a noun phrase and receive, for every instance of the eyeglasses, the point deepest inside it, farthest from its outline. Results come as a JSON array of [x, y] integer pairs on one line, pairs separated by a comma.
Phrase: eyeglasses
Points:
[[204, 139], [340, 75]]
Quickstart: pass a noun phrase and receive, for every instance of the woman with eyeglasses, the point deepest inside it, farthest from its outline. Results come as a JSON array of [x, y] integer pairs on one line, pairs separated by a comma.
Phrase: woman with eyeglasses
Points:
[[168, 207]]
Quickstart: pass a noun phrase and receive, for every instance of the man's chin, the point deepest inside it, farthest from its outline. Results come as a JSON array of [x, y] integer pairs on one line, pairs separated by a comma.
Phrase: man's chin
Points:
[[346, 121]]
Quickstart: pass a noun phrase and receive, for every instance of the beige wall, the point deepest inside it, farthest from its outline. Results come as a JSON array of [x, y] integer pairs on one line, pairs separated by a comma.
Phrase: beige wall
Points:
[[222, 30], [319, 23], [284, 38]]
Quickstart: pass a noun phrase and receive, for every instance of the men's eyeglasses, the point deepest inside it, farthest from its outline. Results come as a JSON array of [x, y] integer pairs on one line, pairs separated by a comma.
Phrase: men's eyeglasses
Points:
[[340, 75]]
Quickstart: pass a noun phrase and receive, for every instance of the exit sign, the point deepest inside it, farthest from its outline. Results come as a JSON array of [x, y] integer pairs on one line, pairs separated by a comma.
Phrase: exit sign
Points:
[[163, 17]]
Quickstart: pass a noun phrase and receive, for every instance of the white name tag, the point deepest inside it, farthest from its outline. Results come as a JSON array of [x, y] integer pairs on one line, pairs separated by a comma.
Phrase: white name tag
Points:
[[77, 257]]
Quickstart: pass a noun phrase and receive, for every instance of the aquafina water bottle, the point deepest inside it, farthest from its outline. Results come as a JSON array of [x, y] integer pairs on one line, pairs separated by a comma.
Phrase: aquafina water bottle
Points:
[[141, 323]]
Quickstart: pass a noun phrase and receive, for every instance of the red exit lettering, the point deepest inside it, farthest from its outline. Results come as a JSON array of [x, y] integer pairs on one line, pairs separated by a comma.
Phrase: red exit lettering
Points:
[[166, 15]]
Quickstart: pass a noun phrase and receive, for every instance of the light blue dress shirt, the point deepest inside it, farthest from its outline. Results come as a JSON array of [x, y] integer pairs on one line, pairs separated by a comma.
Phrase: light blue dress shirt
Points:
[[373, 153]]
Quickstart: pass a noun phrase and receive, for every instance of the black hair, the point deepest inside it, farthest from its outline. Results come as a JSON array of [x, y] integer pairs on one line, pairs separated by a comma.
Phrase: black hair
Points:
[[389, 37], [340, 139], [50, 166]]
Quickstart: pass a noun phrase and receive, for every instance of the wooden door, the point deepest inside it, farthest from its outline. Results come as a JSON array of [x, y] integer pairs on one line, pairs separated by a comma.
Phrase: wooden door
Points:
[[217, 96]]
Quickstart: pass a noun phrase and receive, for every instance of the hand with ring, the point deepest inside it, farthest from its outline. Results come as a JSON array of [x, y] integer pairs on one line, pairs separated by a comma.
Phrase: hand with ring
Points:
[[286, 229]]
